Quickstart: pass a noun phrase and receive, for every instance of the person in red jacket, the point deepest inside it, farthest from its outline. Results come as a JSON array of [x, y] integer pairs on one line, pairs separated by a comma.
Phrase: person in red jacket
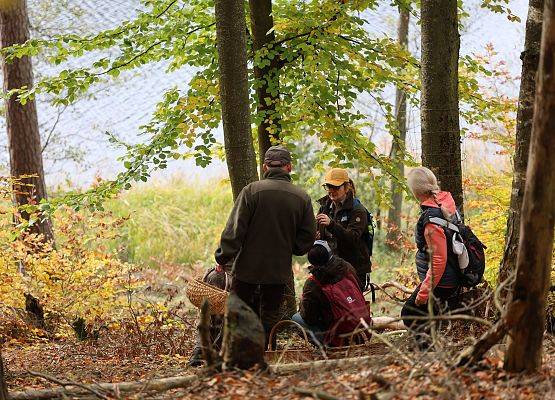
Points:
[[436, 263]]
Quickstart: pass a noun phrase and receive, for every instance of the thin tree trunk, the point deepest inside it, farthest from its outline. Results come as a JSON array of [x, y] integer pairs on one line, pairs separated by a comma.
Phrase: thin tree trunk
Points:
[[267, 77], [538, 215], [530, 57], [3, 387], [394, 214], [441, 147], [21, 120], [234, 93]]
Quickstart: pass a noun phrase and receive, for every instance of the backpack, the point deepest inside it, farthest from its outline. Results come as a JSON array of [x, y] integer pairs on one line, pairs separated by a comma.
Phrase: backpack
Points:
[[468, 248], [368, 236], [348, 306]]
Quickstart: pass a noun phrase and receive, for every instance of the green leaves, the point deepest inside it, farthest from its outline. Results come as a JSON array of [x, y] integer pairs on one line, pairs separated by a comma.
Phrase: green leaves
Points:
[[332, 76]]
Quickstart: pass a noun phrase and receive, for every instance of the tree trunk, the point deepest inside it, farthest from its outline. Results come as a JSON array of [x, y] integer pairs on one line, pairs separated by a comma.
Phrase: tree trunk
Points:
[[267, 77], [538, 215], [21, 120], [3, 387], [530, 57], [441, 146], [234, 93], [394, 214]]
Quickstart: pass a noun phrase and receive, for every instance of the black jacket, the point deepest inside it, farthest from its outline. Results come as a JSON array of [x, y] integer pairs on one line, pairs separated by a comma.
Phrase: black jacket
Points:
[[315, 309], [271, 220], [345, 233]]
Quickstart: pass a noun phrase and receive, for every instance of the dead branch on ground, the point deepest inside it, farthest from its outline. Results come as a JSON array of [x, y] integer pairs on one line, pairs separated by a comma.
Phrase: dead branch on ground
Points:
[[174, 382], [317, 394], [88, 388]]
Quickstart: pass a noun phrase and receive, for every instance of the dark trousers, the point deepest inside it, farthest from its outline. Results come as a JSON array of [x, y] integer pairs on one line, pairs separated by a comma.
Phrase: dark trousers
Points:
[[445, 299], [264, 299]]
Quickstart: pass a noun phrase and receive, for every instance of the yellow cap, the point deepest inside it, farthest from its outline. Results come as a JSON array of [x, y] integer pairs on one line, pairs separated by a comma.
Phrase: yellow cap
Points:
[[336, 177]]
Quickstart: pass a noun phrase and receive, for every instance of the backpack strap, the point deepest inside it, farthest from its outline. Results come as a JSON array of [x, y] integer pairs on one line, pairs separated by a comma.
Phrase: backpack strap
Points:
[[313, 278], [444, 223]]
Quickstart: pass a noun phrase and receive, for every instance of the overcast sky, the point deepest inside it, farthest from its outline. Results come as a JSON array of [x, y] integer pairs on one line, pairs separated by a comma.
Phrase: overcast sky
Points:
[[122, 107]]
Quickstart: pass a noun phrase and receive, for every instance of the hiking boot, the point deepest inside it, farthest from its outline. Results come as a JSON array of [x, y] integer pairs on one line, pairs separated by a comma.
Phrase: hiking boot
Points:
[[196, 358]]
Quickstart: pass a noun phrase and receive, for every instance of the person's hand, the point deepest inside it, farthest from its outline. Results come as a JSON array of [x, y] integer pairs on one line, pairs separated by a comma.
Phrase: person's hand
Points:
[[420, 302], [317, 235], [219, 268], [323, 219]]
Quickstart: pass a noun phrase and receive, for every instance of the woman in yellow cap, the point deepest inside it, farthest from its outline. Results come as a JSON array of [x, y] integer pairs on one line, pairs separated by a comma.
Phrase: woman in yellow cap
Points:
[[344, 222]]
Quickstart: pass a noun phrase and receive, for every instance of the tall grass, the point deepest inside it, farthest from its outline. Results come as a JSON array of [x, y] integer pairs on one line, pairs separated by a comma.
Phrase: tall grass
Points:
[[178, 222], [172, 222]]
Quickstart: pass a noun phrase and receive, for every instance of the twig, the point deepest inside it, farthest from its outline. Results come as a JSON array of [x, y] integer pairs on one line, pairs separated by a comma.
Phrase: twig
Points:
[[474, 353], [315, 394], [68, 383], [154, 385], [387, 342], [396, 285]]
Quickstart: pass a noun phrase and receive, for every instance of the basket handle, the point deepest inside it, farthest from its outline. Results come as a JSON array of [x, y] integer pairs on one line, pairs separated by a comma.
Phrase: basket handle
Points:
[[356, 332], [285, 322]]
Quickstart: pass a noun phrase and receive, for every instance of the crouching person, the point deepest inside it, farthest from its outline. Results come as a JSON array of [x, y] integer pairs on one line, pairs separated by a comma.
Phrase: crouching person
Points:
[[220, 277], [436, 263], [332, 303]]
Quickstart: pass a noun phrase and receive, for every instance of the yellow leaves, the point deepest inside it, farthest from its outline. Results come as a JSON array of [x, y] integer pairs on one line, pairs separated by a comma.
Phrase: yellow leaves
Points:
[[487, 204], [77, 279]]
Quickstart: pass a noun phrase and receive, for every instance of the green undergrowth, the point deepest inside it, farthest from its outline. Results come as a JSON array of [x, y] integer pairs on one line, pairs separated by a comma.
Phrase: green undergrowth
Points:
[[177, 222], [173, 222]]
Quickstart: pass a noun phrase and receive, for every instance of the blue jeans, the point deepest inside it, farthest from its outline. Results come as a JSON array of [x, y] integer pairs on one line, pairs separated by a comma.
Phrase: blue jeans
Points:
[[316, 333]]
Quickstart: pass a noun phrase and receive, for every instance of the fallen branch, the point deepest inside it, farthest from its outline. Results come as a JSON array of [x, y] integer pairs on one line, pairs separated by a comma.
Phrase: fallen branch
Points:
[[65, 384], [174, 382], [389, 284], [154, 385], [382, 323], [315, 393], [396, 285]]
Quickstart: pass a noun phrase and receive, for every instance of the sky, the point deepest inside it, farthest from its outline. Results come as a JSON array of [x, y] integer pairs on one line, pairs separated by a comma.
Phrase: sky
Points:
[[124, 105]]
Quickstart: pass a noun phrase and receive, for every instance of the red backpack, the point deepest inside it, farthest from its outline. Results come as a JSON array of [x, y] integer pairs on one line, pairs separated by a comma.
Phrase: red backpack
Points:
[[348, 306]]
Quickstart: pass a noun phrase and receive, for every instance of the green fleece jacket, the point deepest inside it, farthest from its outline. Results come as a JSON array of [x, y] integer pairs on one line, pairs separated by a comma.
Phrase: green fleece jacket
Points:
[[271, 220]]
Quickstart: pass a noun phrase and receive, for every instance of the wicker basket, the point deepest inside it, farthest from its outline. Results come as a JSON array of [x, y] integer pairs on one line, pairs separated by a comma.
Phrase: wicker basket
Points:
[[197, 291]]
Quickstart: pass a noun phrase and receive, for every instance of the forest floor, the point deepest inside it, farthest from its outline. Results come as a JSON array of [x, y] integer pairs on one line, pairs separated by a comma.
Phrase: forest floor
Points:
[[393, 372]]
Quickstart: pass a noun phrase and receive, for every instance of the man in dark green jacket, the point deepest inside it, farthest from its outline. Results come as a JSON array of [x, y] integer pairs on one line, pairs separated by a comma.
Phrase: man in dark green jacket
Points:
[[271, 220]]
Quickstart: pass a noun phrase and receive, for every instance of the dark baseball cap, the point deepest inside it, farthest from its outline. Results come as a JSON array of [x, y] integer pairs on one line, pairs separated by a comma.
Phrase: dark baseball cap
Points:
[[277, 156]]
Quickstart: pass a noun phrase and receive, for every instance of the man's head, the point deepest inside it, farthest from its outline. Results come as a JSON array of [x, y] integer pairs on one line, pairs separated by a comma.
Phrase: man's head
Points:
[[319, 254], [277, 157]]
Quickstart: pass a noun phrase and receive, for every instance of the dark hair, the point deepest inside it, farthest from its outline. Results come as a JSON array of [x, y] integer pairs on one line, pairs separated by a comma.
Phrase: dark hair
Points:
[[351, 187], [318, 255]]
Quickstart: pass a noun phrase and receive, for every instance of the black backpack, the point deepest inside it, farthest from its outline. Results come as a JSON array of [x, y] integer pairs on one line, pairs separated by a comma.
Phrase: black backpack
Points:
[[474, 272], [368, 236]]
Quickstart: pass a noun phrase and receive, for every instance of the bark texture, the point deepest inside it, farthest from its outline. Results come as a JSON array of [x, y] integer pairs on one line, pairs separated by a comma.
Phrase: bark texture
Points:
[[267, 77], [530, 58], [538, 215], [21, 120], [441, 139], [244, 338], [398, 145], [3, 388], [234, 93]]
